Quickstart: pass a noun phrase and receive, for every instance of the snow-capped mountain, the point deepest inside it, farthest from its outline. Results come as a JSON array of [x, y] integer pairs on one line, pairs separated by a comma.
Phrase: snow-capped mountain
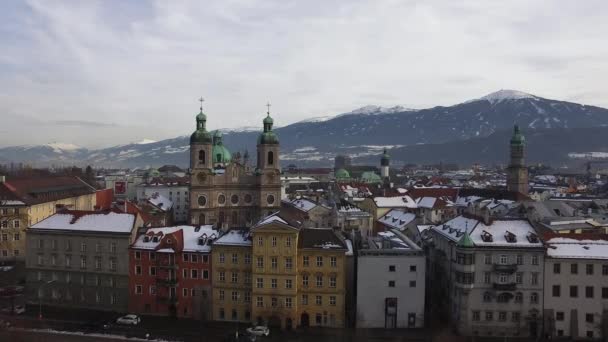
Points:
[[361, 133]]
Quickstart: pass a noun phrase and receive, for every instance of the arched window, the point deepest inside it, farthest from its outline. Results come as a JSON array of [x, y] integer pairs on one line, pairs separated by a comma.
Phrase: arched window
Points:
[[270, 157], [218, 157], [201, 219], [201, 156]]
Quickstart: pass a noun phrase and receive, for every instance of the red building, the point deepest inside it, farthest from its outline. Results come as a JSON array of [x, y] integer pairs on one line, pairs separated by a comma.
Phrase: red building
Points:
[[170, 272]]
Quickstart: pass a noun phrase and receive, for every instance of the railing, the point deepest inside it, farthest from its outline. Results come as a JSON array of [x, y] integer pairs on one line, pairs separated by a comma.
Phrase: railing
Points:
[[166, 281], [502, 268], [504, 287], [166, 264]]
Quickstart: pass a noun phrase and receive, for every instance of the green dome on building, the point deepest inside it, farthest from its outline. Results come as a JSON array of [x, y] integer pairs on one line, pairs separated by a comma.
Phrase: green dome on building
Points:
[[220, 153], [267, 137], [517, 138], [370, 177], [342, 174], [201, 136]]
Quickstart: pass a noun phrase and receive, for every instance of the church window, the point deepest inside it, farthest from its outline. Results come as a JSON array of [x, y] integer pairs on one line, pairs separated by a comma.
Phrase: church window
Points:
[[201, 156], [221, 217], [270, 199], [201, 219], [248, 198], [202, 201], [270, 158], [234, 199], [221, 199]]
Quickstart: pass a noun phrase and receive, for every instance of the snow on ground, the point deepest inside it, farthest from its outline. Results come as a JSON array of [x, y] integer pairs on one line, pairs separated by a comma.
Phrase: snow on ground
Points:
[[577, 155], [505, 94], [61, 147], [145, 142]]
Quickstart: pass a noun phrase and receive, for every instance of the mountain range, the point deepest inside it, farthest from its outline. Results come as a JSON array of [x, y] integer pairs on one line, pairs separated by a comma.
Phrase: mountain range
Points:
[[473, 131]]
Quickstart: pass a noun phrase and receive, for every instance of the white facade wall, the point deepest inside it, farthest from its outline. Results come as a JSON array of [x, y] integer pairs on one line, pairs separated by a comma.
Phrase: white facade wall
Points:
[[373, 277]]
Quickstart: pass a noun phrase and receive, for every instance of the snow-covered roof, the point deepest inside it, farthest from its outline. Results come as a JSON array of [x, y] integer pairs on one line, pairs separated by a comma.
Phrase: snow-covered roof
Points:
[[303, 204], [568, 248], [499, 233], [160, 201], [466, 200], [191, 238], [89, 221], [234, 237], [11, 202], [426, 202], [395, 202], [397, 218], [271, 218]]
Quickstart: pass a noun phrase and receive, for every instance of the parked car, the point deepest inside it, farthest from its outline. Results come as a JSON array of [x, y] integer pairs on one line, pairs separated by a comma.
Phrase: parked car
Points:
[[17, 310], [128, 320], [259, 330]]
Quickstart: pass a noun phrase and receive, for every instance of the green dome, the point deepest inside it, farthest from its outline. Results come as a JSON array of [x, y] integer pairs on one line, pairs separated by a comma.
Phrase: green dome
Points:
[[220, 153], [342, 174], [517, 138], [370, 177], [268, 138], [268, 120], [201, 136], [201, 116]]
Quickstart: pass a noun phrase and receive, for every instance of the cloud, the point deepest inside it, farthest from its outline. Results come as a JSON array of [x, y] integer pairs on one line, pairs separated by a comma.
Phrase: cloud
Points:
[[117, 69]]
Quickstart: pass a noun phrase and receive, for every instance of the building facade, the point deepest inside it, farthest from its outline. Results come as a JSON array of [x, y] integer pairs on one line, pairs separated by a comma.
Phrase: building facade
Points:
[[77, 259], [224, 189], [170, 272], [175, 189], [390, 282]]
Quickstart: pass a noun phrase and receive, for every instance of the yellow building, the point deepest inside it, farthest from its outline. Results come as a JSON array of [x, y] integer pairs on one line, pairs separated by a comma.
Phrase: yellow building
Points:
[[231, 267], [27, 201]]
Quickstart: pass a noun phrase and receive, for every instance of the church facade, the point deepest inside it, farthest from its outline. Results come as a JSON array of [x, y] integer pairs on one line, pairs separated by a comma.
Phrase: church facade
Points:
[[224, 189]]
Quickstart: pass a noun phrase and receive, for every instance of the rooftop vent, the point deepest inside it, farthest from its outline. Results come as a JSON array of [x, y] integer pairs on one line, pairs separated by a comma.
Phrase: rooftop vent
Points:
[[532, 238], [486, 237], [586, 247], [510, 237]]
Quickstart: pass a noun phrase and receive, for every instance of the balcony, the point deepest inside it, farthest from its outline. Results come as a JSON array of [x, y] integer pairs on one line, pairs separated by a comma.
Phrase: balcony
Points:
[[166, 281], [504, 287], [166, 264], [505, 268]]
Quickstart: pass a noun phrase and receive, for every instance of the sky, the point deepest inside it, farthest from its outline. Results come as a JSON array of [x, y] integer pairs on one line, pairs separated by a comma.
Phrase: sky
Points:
[[103, 73]]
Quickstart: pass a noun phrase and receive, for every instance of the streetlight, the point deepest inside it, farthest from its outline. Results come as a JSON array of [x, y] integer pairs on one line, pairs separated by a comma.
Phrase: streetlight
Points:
[[40, 297]]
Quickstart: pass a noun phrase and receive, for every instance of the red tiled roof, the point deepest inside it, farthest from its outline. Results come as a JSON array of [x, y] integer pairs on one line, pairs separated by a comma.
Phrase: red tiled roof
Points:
[[34, 190], [450, 193]]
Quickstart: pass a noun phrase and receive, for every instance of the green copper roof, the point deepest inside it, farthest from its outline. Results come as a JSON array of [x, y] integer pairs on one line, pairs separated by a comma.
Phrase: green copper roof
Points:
[[342, 174], [220, 153], [370, 177], [465, 241], [201, 136], [268, 119], [267, 137], [517, 138]]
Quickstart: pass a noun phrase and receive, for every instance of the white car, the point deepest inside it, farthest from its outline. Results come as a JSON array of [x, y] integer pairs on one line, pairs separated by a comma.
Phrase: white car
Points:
[[129, 320], [259, 330]]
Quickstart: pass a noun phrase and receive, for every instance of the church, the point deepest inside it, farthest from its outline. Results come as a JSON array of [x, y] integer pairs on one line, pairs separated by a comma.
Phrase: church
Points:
[[225, 190]]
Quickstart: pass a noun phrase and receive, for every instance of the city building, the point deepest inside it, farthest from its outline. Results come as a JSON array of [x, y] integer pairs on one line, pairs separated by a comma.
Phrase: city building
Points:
[[390, 282], [309, 212], [487, 276], [232, 260], [517, 172], [28, 200], [349, 217], [175, 189], [225, 190], [576, 286], [77, 259], [170, 272]]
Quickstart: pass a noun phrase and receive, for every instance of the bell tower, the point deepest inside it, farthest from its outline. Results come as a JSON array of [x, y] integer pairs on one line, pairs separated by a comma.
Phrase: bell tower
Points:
[[201, 146], [517, 172], [268, 167]]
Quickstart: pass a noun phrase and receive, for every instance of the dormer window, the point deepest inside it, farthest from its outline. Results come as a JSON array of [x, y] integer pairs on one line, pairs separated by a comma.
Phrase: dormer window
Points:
[[486, 237], [532, 238], [510, 237], [155, 239], [146, 238]]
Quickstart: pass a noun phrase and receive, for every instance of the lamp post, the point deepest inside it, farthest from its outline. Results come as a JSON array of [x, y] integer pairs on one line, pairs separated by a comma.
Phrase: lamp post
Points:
[[40, 297]]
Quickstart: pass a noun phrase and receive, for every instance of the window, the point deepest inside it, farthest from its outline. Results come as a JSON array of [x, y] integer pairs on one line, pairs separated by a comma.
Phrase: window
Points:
[[574, 291], [222, 295], [535, 260], [305, 280], [305, 261], [305, 299], [247, 278], [222, 276], [589, 318], [288, 241], [247, 259], [534, 278], [333, 261], [186, 257], [137, 269], [40, 243], [234, 296], [559, 316], [332, 282], [604, 292], [222, 258], [260, 241], [391, 268], [487, 297], [270, 158], [589, 269], [503, 278], [222, 313], [574, 268], [412, 283], [274, 302], [113, 247], [487, 277], [205, 274], [259, 302], [515, 316], [16, 236], [274, 241], [319, 261], [503, 259], [476, 316], [288, 263], [519, 297], [138, 289], [319, 300], [556, 290], [519, 277], [83, 262], [332, 300], [502, 316], [519, 259], [391, 283], [487, 259], [247, 298], [557, 268], [83, 247], [288, 302], [534, 298], [194, 273], [235, 258], [260, 262], [97, 263], [412, 268], [273, 283], [589, 291], [152, 256], [288, 283], [489, 315], [604, 269], [193, 258], [234, 277], [319, 281], [560, 332], [259, 283], [137, 255], [201, 156]]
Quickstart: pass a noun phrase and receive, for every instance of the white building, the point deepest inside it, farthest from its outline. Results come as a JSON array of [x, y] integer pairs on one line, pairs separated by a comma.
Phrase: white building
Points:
[[576, 286], [390, 283], [174, 189]]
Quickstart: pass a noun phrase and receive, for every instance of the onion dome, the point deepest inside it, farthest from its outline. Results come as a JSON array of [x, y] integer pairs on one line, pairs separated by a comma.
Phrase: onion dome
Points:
[[517, 138], [268, 137], [386, 159], [221, 155], [201, 136]]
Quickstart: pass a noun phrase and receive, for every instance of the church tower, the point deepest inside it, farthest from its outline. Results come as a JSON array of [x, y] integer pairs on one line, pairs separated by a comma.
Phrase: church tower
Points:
[[201, 145], [517, 173], [385, 162], [268, 168]]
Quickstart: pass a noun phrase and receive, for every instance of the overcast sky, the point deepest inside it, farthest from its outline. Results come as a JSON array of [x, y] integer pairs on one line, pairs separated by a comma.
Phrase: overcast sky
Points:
[[101, 73]]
